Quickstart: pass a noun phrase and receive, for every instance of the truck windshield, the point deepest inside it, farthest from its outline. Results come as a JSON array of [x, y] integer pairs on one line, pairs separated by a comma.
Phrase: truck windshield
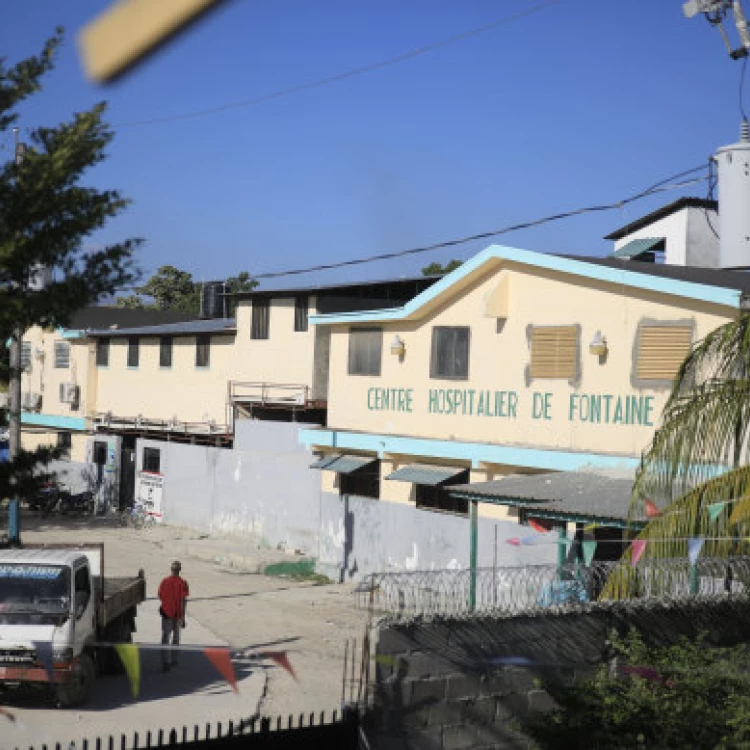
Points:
[[34, 588]]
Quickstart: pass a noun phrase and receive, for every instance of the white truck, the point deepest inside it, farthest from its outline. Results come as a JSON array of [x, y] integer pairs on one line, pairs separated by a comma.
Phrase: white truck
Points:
[[58, 612]]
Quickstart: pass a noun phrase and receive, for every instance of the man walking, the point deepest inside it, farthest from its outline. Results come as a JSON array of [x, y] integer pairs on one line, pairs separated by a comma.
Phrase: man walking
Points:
[[173, 593]]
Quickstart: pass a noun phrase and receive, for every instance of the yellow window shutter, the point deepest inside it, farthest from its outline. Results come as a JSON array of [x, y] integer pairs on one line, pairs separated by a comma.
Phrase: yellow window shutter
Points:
[[661, 350], [554, 352]]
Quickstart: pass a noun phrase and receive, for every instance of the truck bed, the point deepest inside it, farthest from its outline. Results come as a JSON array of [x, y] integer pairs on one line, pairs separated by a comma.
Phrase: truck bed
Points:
[[120, 595]]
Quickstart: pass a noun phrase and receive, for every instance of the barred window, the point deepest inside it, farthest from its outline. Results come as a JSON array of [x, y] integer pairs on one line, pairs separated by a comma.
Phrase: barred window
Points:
[[165, 351], [102, 352], [134, 351], [25, 355], [260, 318], [62, 355], [365, 351], [450, 353], [203, 351], [554, 352], [300, 312]]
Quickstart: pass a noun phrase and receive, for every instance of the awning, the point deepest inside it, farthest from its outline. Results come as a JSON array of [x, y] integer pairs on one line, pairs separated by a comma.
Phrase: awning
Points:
[[634, 248], [426, 473], [343, 463]]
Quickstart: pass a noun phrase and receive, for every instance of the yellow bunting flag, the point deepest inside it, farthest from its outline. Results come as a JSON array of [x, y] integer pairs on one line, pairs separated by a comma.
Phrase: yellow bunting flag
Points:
[[222, 660], [131, 660], [590, 526], [385, 660], [280, 658]]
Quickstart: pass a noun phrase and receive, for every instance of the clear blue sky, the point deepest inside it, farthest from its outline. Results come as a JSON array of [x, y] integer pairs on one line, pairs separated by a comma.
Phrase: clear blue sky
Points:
[[581, 103]]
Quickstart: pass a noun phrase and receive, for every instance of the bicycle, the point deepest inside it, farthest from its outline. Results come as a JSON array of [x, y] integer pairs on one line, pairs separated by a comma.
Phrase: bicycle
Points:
[[139, 516]]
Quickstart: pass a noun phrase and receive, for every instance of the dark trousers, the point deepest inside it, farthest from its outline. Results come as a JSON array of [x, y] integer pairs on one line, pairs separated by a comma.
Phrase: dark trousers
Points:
[[170, 633]]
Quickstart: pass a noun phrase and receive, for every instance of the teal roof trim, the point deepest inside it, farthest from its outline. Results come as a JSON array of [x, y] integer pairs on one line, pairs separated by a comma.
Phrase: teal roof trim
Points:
[[691, 290], [634, 248], [59, 421], [426, 474]]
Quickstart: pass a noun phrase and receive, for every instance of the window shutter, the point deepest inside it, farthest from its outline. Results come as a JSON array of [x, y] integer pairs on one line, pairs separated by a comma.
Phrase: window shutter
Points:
[[554, 352], [661, 350]]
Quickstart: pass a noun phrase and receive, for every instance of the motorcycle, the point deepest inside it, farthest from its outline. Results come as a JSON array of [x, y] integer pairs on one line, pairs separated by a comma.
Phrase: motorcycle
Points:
[[45, 499], [81, 502]]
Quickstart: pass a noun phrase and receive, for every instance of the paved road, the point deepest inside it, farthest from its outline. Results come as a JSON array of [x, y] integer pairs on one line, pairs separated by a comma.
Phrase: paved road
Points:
[[192, 692]]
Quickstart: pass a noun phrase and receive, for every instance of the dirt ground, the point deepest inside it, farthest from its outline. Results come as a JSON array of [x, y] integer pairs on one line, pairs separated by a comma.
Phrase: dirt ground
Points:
[[310, 621]]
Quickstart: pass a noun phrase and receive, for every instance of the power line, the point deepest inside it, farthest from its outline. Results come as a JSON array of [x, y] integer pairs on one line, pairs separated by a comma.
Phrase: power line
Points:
[[346, 74]]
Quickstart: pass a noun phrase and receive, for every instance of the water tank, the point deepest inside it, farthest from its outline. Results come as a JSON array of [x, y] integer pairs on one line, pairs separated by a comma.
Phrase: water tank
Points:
[[40, 277], [213, 302], [734, 202]]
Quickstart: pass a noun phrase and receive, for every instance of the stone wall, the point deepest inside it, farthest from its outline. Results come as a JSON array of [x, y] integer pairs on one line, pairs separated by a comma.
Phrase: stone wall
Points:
[[474, 682]]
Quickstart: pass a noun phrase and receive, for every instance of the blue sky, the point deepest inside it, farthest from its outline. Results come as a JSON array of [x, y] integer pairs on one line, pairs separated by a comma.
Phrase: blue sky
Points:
[[580, 103]]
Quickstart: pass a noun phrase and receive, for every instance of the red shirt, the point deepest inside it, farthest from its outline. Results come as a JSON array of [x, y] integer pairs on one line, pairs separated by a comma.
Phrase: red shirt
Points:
[[172, 590]]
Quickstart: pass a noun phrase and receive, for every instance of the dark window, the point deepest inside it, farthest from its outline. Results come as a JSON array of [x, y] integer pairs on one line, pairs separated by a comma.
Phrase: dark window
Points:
[[62, 355], [25, 355], [102, 352], [365, 351], [437, 497], [64, 441], [203, 351], [259, 323], [165, 351], [100, 452], [364, 482], [300, 313], [450, 353], [133, 351], [151, 460]]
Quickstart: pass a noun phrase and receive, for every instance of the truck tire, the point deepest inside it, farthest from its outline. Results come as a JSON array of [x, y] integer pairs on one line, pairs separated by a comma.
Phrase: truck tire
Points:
[[77, 689]]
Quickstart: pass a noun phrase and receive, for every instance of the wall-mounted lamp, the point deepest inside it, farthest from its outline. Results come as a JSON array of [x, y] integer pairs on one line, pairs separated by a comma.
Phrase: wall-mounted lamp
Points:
[[398, 347], [598, 345]]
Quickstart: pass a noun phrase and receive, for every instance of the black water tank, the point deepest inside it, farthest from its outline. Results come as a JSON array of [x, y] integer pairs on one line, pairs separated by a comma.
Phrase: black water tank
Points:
[[213, 302]]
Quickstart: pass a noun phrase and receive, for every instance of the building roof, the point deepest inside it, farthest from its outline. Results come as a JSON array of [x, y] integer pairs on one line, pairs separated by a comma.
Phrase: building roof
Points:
[[662, 213], [214, 326], [581, 496], [642, 246], [103, 316], [349, 286]]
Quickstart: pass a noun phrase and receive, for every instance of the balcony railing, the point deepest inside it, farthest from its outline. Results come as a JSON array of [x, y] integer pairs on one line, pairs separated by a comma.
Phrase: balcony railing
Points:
[[269, 394], [146, 424]]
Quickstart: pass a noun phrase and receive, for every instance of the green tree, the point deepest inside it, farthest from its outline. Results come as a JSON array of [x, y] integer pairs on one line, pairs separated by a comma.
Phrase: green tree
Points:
[[435, 268], [46, 215]]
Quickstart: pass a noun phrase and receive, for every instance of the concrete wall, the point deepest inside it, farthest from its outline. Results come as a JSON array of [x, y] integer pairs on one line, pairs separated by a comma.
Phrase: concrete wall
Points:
[[439, 685]]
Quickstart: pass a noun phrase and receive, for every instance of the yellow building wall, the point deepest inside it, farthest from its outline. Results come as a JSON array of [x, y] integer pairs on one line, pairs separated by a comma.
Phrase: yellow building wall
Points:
[[182, 391], [286, 356], [498, 358]]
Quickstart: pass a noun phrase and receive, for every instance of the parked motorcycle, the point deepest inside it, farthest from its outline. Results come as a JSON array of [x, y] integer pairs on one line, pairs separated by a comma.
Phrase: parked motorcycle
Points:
[[82, 503], [45, 499]]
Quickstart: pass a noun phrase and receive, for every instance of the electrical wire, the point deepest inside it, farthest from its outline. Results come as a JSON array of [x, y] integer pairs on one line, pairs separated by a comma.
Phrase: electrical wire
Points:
[[361, 70], [742, 89]]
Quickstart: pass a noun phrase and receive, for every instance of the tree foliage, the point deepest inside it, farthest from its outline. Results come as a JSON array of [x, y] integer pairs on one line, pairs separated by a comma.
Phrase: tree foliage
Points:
[[47, 213], [686, 695], [435, 268]]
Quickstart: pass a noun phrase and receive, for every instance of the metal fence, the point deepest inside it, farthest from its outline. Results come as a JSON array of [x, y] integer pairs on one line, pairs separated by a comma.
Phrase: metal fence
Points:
[[536, 588]]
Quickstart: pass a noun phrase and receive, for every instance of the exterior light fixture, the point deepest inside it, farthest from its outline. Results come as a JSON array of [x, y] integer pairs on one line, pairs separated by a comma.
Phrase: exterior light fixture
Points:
[[398, 347], [598, 344]]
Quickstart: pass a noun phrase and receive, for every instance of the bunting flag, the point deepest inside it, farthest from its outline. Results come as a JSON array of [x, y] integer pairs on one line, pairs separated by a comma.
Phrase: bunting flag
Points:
[[589, 547], [131, 660], [515, 541], [590, 526], [694, 548], [528, 541], [222, 660], [7, 714], [541, 526], [280, 658], [651, 510], [714, 510], [44, 657], [385, 660], [638, 548]]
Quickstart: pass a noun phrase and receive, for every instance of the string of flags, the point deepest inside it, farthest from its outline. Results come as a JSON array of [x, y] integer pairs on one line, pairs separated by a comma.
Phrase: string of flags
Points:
[[130, 657]]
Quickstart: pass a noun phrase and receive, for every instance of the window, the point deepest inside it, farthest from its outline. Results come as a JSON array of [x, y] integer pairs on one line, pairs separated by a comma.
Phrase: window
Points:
[[365, 351], [436, 498], [660, 350], [165, 351], [450, 353], [62, 355], [300, 313], [203, 351], [100, 452], [133, 351], [82, 590], [554, 352], [25, 355], [151, 460], [64, 441], [259, 323], [102, 352], [364, 482]]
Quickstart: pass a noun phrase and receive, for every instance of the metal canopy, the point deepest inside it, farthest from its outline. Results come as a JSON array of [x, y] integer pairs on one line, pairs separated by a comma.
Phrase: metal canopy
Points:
[[426, 474], [345, 463], [634, 248]]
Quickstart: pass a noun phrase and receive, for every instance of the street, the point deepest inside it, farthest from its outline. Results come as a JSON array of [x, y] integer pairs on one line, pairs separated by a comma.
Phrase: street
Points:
[[249, 613]]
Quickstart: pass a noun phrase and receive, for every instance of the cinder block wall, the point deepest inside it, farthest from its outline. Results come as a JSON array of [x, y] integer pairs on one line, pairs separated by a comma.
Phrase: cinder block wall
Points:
[[449, 684]]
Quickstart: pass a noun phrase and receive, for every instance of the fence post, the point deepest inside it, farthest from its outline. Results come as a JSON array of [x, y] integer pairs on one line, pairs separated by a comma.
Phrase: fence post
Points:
[[473, 526], [562, 547], [694, 581]]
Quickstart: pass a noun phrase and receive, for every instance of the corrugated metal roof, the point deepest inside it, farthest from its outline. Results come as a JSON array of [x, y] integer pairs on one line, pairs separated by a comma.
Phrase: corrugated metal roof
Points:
[[426, 473], [103, 316], [52, 556], [572, 495], [343, 464], [634, 248], [214, 325]]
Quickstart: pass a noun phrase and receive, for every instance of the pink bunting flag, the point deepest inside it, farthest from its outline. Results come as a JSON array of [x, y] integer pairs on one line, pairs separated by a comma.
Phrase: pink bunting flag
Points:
[[541, 526], [515, 541], [694, 549], [651, 510], [222, 660], [280, 658], [638, 548], [7, 714]]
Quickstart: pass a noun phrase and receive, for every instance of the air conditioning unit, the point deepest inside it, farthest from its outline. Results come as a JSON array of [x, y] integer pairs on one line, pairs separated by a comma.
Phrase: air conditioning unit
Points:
[[68, 393], [31, 401]]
